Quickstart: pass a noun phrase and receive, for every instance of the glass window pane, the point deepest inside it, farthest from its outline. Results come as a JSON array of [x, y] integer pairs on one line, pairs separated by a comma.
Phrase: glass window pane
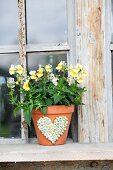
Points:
[[46, 21], [34, 59], [8, 22], [9, 125]]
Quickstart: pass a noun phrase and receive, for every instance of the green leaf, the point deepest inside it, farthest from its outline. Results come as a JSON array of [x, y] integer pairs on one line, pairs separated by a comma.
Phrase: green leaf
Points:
[[44, 110], [57, 98], [49, 102], [27, 116], [68, 91], [66, 101], [31, 106], [15, 111], [71, 98]]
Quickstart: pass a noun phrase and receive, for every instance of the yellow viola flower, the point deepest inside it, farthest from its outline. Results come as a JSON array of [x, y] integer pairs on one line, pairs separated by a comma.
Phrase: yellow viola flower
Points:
[[60, 65], [48, 68], [19, 69], [17, 82], [40, 72], [84, 72], [79, 67], [33, 75], [26, 85], [80, 80], [12, 70], [32, 72], [73, 72]]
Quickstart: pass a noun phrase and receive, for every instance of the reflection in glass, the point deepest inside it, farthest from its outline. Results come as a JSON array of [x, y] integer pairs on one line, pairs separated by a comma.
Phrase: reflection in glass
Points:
[[8, 22], [35, 59], [9, 125], [46, 21]]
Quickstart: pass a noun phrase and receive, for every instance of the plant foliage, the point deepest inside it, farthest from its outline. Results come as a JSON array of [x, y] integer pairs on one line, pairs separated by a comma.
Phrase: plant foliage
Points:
[[41, 88]]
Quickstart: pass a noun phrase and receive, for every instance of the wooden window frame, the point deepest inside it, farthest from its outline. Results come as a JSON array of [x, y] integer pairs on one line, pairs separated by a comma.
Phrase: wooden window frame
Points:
[[93, 37], [108, 50], [73, 56], [23, 49]]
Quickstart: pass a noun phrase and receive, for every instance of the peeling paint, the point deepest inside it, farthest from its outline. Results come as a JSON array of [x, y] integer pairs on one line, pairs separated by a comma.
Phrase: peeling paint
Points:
[[22, 58], [90, 52]]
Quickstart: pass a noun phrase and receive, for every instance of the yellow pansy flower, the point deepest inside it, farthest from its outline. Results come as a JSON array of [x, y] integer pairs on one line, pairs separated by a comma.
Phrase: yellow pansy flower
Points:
[[48, 68], [40, 72], [80, 79], [84, 73], [73, 72], [18, 81], [79, 67], [60, 65], [33, 75], [19, 69], [12, 70], [26, 85]]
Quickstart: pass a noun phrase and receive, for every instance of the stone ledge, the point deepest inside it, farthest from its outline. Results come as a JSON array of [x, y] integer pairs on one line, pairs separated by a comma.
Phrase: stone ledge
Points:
[[67, 152]]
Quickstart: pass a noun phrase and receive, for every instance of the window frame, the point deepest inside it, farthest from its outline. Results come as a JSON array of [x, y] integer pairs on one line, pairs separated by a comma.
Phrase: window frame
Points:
[[108, 50], [22, 48]]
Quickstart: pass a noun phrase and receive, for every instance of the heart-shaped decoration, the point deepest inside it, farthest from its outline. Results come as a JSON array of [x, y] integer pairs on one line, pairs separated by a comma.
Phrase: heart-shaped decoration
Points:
[[52, 131]]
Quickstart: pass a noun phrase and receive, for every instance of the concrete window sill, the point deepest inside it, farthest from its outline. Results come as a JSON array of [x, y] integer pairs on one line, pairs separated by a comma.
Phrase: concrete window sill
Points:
[[68, 152]]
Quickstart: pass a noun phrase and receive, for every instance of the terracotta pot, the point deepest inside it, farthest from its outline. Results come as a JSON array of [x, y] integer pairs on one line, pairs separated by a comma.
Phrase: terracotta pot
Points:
[[52, 113]]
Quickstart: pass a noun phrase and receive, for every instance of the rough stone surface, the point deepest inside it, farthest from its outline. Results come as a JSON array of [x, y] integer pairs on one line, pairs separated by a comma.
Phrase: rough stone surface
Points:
[[71, 165]]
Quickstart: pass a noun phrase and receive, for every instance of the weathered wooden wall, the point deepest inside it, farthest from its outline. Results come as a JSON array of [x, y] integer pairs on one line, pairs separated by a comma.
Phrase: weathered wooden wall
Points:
[[78, 165], [95, 118]]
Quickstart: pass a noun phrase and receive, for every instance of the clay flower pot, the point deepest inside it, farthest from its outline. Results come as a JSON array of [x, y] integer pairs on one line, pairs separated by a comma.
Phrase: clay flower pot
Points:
[[52, 128]]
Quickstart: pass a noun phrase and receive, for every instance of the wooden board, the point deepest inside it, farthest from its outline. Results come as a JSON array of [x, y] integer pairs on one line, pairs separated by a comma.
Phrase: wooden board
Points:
[[95, 118], [67, 152]]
